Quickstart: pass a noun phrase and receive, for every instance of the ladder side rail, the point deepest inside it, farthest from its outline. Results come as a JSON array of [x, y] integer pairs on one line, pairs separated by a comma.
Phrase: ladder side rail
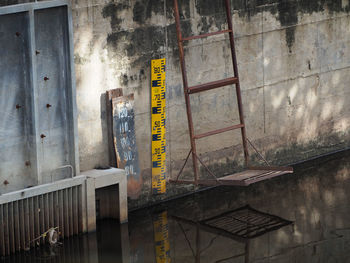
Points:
[[185, 84], [238, 88]]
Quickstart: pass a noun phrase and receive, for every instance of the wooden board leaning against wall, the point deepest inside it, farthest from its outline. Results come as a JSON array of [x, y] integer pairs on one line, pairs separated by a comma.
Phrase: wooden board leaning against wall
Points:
[[125, 142]]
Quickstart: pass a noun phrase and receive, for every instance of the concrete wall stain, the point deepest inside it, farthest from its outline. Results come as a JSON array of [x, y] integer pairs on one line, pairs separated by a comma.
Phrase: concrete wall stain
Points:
[[112, 10], [184, 9], [288, 13], [143, 10], [209, 7], [147, 41], [288, 16], [211, 12], [134, 34]]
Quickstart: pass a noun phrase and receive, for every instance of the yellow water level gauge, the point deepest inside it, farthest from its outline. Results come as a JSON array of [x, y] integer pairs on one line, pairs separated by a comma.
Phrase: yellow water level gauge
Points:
[[158, 126]]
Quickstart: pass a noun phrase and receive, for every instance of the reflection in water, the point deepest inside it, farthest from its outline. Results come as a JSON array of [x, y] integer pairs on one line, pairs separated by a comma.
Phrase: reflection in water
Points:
[[316, 198], [241, 225], [109, 244], [161, 237]]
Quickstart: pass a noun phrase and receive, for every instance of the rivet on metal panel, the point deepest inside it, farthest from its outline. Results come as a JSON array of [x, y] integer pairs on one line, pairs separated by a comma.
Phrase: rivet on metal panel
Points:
[[18, 34], [42, 136], [6, 182], [18, 106], [27, 163], [46, 78], [48, 105], [37, 52]]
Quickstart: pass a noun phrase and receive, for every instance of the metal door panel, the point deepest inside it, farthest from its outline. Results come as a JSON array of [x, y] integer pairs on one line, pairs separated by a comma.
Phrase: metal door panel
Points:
[[15, 109], [52, 43]]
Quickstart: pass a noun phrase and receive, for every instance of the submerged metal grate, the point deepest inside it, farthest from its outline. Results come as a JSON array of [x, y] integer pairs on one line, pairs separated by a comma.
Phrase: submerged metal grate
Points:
[[246, 222], [24, 220]]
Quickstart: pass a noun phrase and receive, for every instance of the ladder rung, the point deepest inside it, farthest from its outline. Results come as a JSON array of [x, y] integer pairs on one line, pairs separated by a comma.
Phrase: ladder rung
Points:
[[234, 127], [212, 85], [207, 35]]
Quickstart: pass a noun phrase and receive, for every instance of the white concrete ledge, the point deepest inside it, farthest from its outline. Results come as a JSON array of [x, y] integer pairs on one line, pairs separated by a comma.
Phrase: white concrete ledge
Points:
[[97, 179], [90, 181], [41, 189]]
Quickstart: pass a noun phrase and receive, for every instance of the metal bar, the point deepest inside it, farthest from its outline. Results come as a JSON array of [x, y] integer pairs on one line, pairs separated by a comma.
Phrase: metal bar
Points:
[[2, 235], [185, 84], [35, 113], [212, 229], [272, 168], [47, 212], [206, 35], [61, 214], [256, 150], [75, 210], [6, 228], [199, 182], [52, 209], [70, 214], [249, 223], [212, 85], [32, 6], [203, 135], [183, 167], [41, 189], [56, 211], [11, 228], [227, 213], [80, 210], [208, 170], [187, 240], [42, 216], [263, 177], [66, 213], [37, 216], [238, 88], [26, 220], [17, 228], [71, 96], [32, 222]]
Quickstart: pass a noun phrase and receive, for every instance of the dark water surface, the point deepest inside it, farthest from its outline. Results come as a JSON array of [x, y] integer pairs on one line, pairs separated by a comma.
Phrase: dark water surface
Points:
[[316, 198]]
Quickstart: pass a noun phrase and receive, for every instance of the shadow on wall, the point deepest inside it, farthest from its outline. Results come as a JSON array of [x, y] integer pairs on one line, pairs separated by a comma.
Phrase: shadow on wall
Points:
[[294, 64]]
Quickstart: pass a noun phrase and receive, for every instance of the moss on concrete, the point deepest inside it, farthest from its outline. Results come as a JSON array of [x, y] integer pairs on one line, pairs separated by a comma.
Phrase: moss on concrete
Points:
[[293, 153]]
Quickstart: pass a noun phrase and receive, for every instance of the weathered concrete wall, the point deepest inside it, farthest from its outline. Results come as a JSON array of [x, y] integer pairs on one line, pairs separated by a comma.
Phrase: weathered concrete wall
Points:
[[294, 62]]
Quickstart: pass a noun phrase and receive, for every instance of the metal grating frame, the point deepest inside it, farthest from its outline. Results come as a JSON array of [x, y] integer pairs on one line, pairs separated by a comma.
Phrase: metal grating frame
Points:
[[245, 222], [23, 220]]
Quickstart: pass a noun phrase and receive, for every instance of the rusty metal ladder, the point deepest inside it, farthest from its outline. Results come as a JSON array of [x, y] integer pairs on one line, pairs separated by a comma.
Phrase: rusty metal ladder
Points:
[[249, 176]]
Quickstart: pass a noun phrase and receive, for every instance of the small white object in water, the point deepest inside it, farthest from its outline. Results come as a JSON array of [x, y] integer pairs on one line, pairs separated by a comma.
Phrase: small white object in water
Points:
[[52, 236]]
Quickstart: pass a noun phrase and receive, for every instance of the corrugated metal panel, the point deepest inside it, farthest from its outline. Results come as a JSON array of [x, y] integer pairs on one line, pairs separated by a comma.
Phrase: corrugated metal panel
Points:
[[22, 221]]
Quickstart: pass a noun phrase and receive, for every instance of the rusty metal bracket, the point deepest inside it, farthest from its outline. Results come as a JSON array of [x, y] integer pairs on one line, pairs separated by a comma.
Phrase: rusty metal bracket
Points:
[[206, 167], [183, 167], [256, 150]]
